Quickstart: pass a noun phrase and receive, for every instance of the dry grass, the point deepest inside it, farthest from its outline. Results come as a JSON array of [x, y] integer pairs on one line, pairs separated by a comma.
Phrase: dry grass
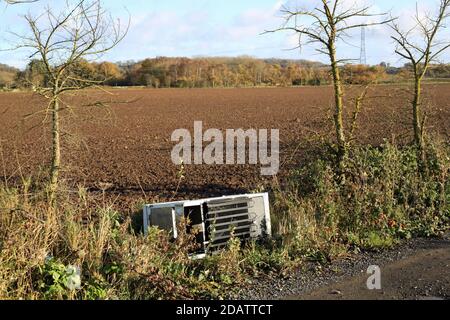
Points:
[[383, 200]]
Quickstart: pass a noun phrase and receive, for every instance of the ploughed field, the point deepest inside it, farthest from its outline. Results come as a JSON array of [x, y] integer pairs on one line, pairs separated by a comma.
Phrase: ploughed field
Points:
[[124, 146]]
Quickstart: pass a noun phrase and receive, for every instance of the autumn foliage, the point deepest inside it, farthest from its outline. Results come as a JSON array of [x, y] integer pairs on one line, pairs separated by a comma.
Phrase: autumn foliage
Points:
[[217, 72]]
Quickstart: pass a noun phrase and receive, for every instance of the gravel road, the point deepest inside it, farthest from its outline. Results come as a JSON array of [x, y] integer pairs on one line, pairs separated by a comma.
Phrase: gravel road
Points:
[[418, 269]]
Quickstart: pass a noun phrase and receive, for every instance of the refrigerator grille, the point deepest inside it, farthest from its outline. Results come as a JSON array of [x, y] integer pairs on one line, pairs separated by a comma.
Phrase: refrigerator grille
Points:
[[227, 219]]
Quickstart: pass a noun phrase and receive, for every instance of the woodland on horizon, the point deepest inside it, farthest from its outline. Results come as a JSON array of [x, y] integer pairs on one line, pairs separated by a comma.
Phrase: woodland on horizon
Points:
[[202, 72]]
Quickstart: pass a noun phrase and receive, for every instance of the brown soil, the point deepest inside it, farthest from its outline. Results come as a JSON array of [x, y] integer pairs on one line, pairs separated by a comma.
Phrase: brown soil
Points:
[[127, 145]]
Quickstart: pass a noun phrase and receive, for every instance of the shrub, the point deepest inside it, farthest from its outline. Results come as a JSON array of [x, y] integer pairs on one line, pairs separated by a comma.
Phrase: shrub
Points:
[[384, 197]]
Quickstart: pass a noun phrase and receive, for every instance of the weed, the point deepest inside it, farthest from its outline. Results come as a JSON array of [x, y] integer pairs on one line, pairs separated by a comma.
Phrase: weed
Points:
[[86, 250]]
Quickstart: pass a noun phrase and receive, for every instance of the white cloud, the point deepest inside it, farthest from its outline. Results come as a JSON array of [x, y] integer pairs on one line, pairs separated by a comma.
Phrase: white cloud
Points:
[[204, 30]]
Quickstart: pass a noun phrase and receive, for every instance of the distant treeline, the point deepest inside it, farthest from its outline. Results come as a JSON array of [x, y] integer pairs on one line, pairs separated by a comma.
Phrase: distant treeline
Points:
[[163, 72], [8, 75]]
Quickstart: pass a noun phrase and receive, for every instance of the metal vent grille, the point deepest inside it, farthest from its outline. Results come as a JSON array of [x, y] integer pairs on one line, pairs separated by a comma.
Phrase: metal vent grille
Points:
[[226, 219]]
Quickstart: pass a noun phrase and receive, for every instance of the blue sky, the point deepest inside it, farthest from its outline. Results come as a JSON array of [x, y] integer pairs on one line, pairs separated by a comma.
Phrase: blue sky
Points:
[[213, 28]]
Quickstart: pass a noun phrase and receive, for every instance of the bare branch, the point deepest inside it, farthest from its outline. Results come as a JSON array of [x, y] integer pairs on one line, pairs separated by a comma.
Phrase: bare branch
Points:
[[420, 55], [19, 1], [64, 43], [326, 25], [428, 28]]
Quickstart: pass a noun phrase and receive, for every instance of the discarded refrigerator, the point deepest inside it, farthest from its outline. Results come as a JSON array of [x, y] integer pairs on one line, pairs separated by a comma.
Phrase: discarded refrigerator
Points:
[[215, 220]]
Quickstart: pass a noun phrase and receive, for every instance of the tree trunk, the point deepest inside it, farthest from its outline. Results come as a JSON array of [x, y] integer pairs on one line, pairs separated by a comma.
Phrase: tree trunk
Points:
[[56, 152], [417, 125], [339, 105]]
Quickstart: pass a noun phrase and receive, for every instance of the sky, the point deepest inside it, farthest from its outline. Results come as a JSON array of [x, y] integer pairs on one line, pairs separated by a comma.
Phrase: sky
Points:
[[192, 28]]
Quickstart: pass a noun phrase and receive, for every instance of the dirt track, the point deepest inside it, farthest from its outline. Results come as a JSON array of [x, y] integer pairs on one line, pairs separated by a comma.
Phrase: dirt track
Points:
[[418, 269], [130, 151], [424, 275]]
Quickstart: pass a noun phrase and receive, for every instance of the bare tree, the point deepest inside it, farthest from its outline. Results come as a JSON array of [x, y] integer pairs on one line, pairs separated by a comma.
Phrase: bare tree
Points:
[[325, 26], [63, 41], [19, 1], [421, 46]]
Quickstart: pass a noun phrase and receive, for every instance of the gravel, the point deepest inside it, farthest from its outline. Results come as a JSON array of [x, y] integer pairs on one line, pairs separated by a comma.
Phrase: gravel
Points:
[[313, 276]]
